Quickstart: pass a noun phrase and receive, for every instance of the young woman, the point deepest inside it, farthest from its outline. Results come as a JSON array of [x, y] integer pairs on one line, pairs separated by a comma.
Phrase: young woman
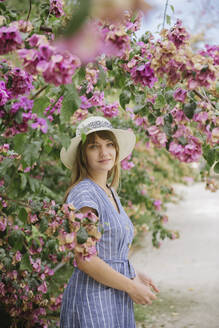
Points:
[[101, 291]]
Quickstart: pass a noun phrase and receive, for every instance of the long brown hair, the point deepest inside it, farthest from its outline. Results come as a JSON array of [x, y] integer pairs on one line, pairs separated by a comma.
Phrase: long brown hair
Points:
[[81, 166]]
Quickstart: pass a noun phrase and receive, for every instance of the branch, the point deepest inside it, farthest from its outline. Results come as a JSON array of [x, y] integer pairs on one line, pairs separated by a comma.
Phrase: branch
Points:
[[30, 6], [45, 28], [59, 266], [204, 98], [38, 92], [165, 12]]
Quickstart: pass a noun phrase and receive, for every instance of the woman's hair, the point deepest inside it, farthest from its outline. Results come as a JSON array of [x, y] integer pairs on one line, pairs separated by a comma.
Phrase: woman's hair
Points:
[[81, 166]]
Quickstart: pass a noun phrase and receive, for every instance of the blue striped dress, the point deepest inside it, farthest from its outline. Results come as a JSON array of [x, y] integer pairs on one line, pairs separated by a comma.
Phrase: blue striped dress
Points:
[[87, 303]]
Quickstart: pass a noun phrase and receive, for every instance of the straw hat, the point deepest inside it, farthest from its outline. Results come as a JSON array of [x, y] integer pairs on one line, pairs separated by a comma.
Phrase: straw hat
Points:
[[125, 138]]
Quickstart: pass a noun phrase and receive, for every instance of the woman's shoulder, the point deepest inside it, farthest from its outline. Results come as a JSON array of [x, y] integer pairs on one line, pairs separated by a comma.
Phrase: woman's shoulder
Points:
[[83, 184], [83, 187]]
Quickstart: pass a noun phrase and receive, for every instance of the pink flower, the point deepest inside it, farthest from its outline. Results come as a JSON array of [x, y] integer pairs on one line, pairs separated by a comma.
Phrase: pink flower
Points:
[[56, 7], [157, 137], [178, 35], [180, 95], [143, 74], [3, 223], [85, 103], [56, 65], [18, 256], [211, 51], [3, 93], [20, 82], [97, 98], [87, 43], [92, 217], [41, 124], [110, 110], [10, 39], [186, 149], [126, 164], [36, 265], [179, 115], [157, 203], [42, 288], [116, 41], [141, 121]]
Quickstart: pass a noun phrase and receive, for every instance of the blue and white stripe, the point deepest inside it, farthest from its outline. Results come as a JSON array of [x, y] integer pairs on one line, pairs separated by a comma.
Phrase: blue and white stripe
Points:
[[87, 303]]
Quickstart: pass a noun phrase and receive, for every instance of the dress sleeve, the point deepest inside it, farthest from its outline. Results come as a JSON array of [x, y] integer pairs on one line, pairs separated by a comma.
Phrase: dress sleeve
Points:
[[82, 197]]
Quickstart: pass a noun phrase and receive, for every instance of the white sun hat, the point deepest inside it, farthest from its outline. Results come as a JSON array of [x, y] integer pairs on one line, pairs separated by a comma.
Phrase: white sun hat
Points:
[[126, 139]]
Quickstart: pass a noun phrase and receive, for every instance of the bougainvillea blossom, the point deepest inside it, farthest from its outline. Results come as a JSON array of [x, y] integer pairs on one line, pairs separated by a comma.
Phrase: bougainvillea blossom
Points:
[[10, 39], [56, 7]]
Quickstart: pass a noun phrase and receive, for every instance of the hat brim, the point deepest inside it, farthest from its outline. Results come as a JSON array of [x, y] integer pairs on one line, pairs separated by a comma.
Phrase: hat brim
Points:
[[126, 140]]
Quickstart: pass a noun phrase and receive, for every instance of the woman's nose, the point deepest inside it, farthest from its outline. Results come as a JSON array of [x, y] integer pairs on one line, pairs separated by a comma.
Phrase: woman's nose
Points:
[[103, 151]]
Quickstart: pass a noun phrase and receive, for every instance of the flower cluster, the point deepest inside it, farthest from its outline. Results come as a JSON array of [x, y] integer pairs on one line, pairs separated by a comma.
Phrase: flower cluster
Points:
[[56, 7], [126, 164], [158, 137], [111, 110], [23, 105], [211, 51], [18, 82], [56, 66], [30, 253], [53, 109], [141, 73], [185, 146], [178, 35], [116, 41], [10, 39], [3, 94], [180, 95]]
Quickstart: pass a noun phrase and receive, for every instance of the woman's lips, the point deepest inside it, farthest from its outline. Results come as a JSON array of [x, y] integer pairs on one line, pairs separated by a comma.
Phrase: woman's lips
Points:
[[104, 161]]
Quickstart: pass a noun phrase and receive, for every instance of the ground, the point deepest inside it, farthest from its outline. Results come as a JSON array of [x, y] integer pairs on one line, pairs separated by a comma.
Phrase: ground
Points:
[[186, 270]]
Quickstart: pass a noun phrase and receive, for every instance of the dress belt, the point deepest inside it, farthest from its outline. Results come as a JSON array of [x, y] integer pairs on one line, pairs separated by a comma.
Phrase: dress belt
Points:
[[115, 260]]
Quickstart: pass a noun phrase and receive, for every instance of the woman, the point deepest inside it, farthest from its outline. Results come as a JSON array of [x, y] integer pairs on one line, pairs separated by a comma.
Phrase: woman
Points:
[[101, 291]]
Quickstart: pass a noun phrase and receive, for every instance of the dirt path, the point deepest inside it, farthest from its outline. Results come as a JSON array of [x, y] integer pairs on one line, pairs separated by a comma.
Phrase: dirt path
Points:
[[187, 269]]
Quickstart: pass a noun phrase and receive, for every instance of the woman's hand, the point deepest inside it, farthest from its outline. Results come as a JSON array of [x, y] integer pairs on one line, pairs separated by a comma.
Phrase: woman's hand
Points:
[[141, 277], [140, 293]]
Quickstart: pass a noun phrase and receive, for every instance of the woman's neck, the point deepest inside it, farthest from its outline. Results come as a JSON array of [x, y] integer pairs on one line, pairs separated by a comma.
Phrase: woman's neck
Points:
[[100, 179]]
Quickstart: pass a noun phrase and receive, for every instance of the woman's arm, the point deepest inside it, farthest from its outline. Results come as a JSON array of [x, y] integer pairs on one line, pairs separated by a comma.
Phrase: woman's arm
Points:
[[106, 275]]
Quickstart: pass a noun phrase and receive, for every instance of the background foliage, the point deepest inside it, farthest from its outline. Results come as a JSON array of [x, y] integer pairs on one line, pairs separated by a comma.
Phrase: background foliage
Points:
[[56, 69]]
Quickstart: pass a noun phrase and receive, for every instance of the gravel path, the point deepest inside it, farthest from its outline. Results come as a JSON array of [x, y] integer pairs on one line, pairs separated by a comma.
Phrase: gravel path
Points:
[[186, 270]]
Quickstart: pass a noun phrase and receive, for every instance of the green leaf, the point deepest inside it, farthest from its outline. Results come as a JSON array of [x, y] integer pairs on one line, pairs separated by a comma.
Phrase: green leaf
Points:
[[16, 239], [32, 152], [19, 142], [160, 101], [65, 140], [189, 109], [40, 105], [216, 168], [23, 181], [124, 98], [217, 86], [168, 19], [43, 225], [79, 16], [209, 155], [25, 263], [82, 235], [23, 215], [172, 8], [34, 184], [71, 102]]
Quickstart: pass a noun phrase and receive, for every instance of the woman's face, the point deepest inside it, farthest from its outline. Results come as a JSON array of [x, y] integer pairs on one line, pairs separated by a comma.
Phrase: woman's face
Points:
[[100, 155]]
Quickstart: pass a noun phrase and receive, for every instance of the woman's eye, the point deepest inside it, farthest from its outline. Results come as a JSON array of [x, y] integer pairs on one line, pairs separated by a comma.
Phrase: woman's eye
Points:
[[110, 144]]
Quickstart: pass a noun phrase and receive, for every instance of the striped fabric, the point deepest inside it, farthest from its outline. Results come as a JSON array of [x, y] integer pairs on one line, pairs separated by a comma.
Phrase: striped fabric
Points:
[[87, 303]]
